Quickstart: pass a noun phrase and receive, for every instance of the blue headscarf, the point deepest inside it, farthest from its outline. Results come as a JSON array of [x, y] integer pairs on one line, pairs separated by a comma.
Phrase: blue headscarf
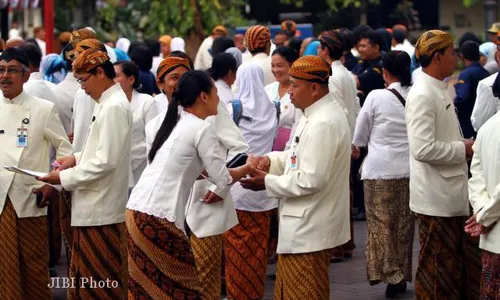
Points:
[[121, 55], [312, 48], [53, 68]]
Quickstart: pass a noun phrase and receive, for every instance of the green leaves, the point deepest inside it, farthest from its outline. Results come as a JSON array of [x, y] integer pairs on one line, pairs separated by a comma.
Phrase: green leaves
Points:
[[469, 3]]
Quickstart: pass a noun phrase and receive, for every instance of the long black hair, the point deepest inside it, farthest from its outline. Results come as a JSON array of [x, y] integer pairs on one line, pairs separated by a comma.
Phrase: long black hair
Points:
[[191, 85], [398, 63]]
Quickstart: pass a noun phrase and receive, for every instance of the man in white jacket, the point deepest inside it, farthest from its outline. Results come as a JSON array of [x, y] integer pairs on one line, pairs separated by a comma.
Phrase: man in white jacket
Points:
[[311, 181], [98, 178]]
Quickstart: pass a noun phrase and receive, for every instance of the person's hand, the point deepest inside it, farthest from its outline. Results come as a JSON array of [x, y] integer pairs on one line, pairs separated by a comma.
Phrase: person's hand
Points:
[[475, 229], [211, 197], [70, 137], [52, 177], [262, 163], [66, 162], [256, 182], [355, 152], [47, 192], [468, 148]]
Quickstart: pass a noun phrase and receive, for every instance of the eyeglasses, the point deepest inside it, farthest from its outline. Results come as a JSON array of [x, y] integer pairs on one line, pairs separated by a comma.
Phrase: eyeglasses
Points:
[[11, 71], [81, 80]]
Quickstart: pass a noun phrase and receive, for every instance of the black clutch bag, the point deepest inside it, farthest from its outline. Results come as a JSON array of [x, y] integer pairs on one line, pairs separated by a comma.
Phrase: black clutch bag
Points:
[[237, 161]]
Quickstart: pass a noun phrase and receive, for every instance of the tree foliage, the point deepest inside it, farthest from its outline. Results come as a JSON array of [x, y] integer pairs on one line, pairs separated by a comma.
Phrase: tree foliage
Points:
[[335, 4], [152, 18]]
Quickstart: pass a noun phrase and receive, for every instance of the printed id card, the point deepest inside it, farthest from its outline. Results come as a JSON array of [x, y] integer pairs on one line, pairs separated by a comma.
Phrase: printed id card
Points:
[[22, 137]]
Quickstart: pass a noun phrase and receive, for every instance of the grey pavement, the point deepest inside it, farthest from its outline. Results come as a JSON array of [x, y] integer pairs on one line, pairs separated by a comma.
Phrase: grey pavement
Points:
[[347, 279]]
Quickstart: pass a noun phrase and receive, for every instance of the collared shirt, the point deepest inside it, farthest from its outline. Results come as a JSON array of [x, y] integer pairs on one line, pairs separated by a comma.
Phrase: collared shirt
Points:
[[342, 86], [225, 93], [37, 87], [143, 111], [485, 182], [44, 132], [164, 191], [203, 59], [65, 94], [381, 126], [438, 168], [369, 76], [314, 196], [161, 103], [486, 104], [289, 114], [264, 62], [99, 183], [465, 88], [408, 48]]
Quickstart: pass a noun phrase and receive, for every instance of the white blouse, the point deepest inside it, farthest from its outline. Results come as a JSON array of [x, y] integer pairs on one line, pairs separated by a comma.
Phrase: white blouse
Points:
[[381, 125], [225, 94], [289, 114], [143, 110], [165, 185], [161, 102]]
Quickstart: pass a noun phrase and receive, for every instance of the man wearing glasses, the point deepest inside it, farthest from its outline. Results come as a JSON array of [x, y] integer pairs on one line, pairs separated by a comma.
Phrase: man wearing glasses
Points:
[[98, 178], [29, 127]]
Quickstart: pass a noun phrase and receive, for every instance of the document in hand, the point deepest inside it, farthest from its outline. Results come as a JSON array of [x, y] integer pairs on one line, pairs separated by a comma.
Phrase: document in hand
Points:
[[31, 173], [24, 172]]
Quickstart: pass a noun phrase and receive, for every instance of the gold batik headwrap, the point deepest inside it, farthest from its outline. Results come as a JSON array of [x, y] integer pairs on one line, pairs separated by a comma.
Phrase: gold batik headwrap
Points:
[[311, 68], [169, 64], [333, 39], [257, 37], [165, 39], [82, 34], [220, 30], [90, 44], [88, 60], [432, 41]]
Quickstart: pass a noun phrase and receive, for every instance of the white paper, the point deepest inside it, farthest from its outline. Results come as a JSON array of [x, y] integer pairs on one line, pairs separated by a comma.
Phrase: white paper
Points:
[[25, 172], [15, 169]]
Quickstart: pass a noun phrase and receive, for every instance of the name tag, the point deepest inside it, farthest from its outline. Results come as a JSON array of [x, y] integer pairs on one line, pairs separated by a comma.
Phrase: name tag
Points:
[[22, 137], [293, 161]]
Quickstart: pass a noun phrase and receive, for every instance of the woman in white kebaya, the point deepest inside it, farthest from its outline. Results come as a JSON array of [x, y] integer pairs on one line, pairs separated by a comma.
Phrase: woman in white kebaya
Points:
[[143, 111], [281, 60], [386, 170], [185, 148]]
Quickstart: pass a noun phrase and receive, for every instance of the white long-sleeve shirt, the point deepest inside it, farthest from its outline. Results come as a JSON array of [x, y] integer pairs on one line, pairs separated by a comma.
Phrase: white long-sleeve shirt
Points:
[[143, 111], [381, 125], [342, 87], [165, 185], [486, 104], [289, 114], [83, 107], [65, 94], [203, 59], [484, 185]]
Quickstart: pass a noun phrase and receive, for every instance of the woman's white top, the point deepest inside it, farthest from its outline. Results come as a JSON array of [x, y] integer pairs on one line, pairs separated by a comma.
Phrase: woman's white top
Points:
[[143, 111], [225, 94], [161, 102], [381, 125], [289, 114], [165, 185]]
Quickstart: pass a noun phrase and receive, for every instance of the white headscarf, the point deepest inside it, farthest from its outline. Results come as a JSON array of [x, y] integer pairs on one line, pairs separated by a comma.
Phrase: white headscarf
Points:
[[178, 44], [236, 53], [489, 50], [261, 130], [123, 44]]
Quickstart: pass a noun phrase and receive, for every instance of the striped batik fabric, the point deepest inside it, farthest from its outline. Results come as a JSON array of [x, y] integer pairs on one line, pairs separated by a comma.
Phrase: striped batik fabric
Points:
[[246, 255], [442, 268], [303, 276], [208, 256], [65, 219], [99, 254], [490, 279], [161, 263], [24, 262]]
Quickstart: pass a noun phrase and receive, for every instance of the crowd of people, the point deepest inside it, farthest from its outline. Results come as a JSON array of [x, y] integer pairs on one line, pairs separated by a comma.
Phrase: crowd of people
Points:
[[170, 178]]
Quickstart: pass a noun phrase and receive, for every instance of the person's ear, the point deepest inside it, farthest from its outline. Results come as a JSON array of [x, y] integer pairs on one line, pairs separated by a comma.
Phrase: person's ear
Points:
[[131, 80], [204, 97]]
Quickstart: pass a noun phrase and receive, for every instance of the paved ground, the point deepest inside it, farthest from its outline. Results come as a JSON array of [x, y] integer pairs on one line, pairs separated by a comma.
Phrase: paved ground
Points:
[[347, 279]]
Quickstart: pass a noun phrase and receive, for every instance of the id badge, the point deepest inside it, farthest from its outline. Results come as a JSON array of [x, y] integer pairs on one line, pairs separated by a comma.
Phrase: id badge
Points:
[[293, 161], [22, 137]]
